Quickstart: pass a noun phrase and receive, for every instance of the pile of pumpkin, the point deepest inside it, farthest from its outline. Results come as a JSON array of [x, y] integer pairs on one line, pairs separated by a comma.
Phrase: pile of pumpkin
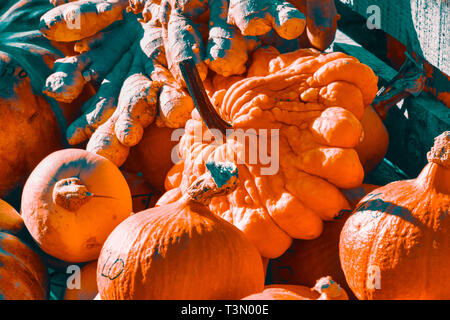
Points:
[[219, 227]]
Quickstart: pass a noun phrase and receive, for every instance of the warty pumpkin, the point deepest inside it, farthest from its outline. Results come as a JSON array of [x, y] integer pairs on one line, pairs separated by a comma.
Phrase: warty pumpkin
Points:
[[181, 250], [324, 289], [71, 201], [27, 117], [396, 244], [23, 274], [304, 102]]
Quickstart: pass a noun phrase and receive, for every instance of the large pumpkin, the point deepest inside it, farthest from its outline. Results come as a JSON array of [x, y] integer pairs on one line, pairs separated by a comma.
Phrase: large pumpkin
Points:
[[396, 245], [308, 105], [71, 201], [181, 250], [23, 275]]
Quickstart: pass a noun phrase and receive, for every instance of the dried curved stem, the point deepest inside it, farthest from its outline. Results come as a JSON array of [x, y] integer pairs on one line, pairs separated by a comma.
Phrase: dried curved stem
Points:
[[201, 100]]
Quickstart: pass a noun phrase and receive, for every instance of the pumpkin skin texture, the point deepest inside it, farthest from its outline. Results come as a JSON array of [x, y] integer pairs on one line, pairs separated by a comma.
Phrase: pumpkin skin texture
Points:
[[28, 120], [325, 289], [180, 251], [88, 284], [71, 201], [400, 234], [315, 102], [23, 275]]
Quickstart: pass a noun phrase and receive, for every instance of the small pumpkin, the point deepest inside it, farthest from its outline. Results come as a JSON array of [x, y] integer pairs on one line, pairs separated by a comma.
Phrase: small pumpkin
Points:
[[23, 274], [397, 243], [143, 194], [153, 155], [88, 284], [324, 289], [181, 250], [71, 201]]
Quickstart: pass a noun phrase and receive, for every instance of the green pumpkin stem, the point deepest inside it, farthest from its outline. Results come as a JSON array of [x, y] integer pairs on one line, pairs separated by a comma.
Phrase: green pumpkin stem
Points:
[[220, 179]]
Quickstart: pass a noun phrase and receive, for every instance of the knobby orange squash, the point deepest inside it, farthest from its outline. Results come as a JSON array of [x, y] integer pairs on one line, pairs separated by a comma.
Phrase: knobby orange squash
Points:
[[23, 275], [397, 243], [308, 106], [324, 289], [181, 250], [71, 201]]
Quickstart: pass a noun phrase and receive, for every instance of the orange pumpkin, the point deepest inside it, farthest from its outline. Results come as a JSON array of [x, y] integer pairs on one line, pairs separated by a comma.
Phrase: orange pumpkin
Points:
[[308, 260], [23, 275], [87, 289], [181, 250], [143, 194], [324, 289], [27, 120], [396, 245], [71, 201], [309, 105], [153, 155]]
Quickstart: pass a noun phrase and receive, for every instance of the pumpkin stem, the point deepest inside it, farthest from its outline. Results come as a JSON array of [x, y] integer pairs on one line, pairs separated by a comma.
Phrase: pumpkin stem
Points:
[[71, 194], [220, 179], [328, 289], [440, 152], [201, 100], [410, 79]]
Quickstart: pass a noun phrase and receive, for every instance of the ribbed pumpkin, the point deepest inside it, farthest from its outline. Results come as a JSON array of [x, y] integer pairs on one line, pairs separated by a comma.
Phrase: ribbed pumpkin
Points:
[[23, 275], [396, 245], [71, 202], [324, 289], [181, 250]]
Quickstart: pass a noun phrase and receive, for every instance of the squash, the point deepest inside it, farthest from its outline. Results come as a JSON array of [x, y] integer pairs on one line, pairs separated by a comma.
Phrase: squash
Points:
[[23, 274], [308, 107], [397, 243], [153, 156], [88, 284], [308, 260], [324, 289], [143, 194], [181, 250], [71, 201]]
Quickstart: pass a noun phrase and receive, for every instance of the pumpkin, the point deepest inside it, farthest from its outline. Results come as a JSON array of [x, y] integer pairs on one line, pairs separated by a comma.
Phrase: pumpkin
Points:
[[23, 275], [143, 194], [396, 244], [306, 111], [71, 201], [153, 156], [181, 250], [308, 260], [324, 289], [87, 289]]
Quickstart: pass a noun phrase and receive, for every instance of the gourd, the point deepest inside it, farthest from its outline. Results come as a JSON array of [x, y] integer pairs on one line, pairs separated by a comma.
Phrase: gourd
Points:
[[304, 102], [181, 250], [71, 201], [396, 242]]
